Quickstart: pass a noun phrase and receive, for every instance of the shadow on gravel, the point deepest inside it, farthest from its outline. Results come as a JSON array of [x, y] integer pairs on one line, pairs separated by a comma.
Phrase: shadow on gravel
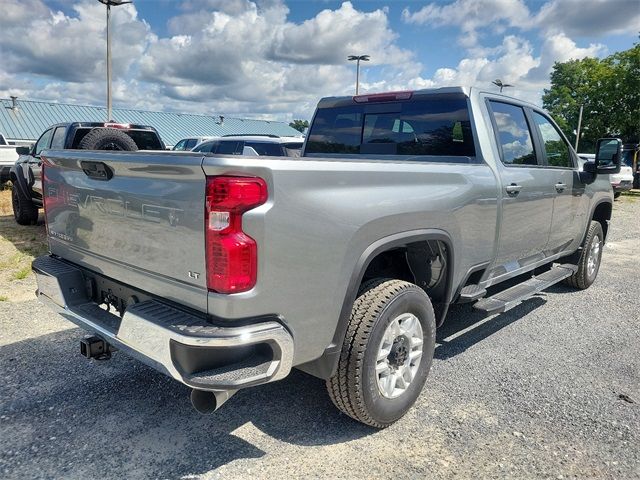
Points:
[[450, 342], [28, 239], [66, 416]]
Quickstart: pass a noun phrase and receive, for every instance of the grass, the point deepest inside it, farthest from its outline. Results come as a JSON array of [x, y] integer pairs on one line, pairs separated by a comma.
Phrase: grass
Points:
[[19, 245], [4, 298], [22, 273]]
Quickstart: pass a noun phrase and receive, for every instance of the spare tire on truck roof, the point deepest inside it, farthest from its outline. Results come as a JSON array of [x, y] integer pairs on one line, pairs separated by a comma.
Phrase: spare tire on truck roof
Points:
[[107, 139]]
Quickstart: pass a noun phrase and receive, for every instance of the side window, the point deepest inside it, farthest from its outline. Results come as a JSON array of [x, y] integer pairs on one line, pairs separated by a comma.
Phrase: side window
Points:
[[43, 142], [192, 142], [228, 148], [513, 134], [58, 138], [180, 145], [205, 147], [557, 150], [267, 149]]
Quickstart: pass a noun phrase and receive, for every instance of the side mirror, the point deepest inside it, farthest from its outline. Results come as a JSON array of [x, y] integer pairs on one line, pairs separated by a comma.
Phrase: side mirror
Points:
[[23, 150], [608, 155]]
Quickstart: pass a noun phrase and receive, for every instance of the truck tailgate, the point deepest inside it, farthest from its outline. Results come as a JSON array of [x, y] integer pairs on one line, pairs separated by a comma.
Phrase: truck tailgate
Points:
[[137, 217]]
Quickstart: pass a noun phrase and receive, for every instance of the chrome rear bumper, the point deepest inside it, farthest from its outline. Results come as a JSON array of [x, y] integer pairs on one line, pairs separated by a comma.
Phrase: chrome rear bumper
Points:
[[177, 343]]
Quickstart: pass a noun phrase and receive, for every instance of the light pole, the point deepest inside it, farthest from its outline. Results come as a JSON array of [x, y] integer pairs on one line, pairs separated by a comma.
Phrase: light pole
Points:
[[109, 4], [358, 58], [498, 83], [579, 125]]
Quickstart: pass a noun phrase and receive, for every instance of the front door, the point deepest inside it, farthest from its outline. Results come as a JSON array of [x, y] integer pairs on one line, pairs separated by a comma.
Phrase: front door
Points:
[[569, 220], [527, 196]]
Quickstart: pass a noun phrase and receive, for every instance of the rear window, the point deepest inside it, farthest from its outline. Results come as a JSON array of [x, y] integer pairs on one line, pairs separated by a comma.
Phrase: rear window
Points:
[[145, 139], [436, 126]]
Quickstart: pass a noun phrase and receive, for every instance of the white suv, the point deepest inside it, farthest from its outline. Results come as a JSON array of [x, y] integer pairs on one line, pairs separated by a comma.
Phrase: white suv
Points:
[[253, 145], [619, 181], [188, 143]]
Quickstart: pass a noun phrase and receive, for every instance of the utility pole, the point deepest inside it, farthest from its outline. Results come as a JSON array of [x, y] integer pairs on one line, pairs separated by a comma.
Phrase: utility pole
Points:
[[109, 3], [579, 125], [358, 58]]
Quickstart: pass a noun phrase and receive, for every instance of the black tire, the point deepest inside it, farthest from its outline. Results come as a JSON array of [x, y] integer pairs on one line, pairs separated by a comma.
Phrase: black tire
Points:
[[354, 387], [107, 139], [585, 276], [24, 210]]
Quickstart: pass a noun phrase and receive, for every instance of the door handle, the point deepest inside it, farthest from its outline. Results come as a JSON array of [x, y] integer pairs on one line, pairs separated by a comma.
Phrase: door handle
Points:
[[560, 187], [513, 189]]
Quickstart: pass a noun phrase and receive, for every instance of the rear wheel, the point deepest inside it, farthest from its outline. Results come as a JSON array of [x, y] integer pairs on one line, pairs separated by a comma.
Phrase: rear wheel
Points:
[[386, 354], [24, 211], [590, 257]]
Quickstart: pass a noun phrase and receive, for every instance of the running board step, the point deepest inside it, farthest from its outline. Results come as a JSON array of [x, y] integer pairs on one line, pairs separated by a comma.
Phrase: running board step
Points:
[[471, 293], [509, 298]]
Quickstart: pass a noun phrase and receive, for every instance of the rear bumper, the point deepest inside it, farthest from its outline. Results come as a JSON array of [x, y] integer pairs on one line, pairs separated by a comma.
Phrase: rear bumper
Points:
[[177, 343], [622, 185]]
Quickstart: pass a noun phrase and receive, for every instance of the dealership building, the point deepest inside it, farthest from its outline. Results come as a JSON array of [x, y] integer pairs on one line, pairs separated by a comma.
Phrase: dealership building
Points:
[[23, 121]]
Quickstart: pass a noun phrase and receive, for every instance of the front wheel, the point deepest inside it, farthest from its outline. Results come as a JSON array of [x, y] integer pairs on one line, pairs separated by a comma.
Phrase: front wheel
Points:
[[386, 354], [590, 257]]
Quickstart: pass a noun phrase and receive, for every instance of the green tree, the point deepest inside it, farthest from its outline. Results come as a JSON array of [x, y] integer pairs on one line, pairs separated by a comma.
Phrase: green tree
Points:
[[300, 125], [609, 90]]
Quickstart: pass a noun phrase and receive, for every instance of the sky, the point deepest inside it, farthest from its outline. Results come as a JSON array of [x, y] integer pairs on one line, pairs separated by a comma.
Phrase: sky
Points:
[[275, 58]]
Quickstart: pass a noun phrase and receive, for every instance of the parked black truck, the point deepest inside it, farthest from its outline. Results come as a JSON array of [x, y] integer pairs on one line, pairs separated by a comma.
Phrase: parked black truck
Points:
[[26, 174]]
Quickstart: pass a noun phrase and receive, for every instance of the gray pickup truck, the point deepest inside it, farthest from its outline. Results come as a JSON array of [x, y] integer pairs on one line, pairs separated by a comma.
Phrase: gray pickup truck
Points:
[[224, 272]]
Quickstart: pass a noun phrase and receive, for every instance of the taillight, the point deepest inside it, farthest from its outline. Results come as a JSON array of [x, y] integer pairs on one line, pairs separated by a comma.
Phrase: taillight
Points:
[[231, 255]]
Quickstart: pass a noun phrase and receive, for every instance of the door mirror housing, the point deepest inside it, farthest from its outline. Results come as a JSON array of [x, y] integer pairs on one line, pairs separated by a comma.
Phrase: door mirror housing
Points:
[[23, 150], [608, 155]]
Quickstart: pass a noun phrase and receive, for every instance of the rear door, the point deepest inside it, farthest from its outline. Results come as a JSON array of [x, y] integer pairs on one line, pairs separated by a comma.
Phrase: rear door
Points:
[[527, 196]]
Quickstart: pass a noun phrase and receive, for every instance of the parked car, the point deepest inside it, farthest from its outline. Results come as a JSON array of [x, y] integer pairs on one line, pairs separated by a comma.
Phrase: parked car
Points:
[[187, 144], [226, 271], [621, 181], [8, 157], [253, 145], [26, 173], [631, 158]]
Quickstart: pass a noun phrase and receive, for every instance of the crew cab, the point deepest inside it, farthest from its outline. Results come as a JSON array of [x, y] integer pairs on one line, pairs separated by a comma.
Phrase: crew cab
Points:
[[226, 271], [27, 172]]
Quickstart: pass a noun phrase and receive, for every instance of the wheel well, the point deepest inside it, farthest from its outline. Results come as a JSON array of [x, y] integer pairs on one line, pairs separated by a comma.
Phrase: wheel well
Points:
[[425, 263], [602, 214]]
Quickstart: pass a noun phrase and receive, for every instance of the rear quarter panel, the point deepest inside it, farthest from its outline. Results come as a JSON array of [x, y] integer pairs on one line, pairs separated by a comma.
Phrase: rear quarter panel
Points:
[[321, 216]]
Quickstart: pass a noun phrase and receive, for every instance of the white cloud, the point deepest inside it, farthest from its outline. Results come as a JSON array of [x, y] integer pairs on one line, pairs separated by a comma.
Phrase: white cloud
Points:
[[591, 18], [471, 16], [69, 48], [242, 57]]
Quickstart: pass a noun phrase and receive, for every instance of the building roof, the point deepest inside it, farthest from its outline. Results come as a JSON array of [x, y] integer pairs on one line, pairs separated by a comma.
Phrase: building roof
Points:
[[31, 118]]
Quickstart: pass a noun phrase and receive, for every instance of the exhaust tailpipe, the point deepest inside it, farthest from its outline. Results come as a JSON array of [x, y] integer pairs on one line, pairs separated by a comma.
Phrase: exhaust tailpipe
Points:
[[208, 402]]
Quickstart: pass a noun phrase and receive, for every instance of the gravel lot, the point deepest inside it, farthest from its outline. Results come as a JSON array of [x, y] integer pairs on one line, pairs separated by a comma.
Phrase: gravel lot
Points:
[[550, 389]]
